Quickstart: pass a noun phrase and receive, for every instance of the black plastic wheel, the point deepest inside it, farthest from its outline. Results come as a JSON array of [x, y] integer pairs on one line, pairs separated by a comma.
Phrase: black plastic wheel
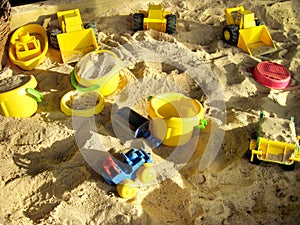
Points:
[[289, 167], [259, 22], [171, 24], [94, 27], [138, 21], [53, 37], [231, 34]]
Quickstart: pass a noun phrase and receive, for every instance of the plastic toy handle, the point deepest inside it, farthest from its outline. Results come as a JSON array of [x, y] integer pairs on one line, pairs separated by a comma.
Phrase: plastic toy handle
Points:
[[202, 124], [38, 95], [85, 89]]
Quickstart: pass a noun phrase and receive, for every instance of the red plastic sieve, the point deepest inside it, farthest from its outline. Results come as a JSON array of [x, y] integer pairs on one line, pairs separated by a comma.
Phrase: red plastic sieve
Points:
[[272, 75]]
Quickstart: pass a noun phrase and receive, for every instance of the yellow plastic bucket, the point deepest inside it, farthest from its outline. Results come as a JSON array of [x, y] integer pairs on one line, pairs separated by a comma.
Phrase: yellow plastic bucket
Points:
[[84, 111], [18, 98], [174, 117], [91, 78]]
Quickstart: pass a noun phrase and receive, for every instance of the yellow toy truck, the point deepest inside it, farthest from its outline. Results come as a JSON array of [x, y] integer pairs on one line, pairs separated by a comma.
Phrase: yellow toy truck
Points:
[[156, 18], [73, 38], [284, 153], [246, 32]]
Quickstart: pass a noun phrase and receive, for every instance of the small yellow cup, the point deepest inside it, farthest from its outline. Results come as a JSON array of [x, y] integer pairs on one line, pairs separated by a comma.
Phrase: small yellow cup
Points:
[[20, 101], [174, 117]]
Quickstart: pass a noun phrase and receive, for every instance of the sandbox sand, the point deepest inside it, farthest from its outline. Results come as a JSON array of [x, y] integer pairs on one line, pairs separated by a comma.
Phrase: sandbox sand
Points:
[[46, 180]]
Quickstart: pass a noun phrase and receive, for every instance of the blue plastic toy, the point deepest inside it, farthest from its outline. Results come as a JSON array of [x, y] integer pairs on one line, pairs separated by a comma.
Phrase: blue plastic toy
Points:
[[136, 164]]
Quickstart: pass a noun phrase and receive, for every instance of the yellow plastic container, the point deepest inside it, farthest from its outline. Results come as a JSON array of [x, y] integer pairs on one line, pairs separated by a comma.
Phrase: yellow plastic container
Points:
[[174, 117], [84, 112], [28, 46], [106, 84], [20, 101]]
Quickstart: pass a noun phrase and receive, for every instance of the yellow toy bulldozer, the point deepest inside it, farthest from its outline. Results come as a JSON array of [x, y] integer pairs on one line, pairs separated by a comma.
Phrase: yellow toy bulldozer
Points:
[[73, 38], [156, 18], [246, 32]]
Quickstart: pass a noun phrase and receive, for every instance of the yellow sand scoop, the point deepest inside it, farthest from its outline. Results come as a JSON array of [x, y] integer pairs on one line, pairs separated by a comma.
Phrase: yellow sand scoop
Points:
[[246, 32]]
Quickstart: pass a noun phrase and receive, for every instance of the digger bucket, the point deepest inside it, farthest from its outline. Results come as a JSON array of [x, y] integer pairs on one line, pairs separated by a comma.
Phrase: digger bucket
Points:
[[256, 40], [74, 45]]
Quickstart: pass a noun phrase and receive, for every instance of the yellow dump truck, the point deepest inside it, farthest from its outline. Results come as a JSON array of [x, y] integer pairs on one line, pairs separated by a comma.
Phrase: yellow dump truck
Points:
[[284, 153], [246, 32], [73, 38], [156, 18]]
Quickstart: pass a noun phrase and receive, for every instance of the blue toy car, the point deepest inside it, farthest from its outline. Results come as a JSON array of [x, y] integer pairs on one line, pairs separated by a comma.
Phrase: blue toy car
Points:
[[136, 164]]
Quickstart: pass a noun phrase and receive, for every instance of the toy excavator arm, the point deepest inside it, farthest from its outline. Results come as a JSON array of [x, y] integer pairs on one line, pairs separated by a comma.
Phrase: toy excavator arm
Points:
[[228, 14]]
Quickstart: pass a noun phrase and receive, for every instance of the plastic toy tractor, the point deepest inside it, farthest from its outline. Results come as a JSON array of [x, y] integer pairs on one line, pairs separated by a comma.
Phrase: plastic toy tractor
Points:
[[73, 38], [136, 164], [156, 18], [284, 153], [246, 32]]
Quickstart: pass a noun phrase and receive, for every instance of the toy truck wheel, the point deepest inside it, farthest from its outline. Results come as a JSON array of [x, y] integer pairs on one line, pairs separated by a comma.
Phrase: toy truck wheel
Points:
[[126, 189], [94, 27], [138, 21], [171, 24], [146, 173], [255, 161], [53, 37], [289, 167], [259, 22], [231, 34]]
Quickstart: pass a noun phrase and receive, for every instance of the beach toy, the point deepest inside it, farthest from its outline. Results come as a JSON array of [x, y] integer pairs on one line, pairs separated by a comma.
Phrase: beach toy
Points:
[[73, 38], [28, 46], [97, 70], [136, 168], [272, 75], [18, 98], [174, 117], [135, 125], [156, 18], [284, 153], [246, 32], [84, 104]]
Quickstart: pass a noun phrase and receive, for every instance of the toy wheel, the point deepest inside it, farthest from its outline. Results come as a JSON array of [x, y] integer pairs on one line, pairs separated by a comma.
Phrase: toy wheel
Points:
[[53, 37], [138, 21], [231, 34], [288, 167], [94, 27], [146, 173], [255, 161], [259, 22], [171, 24], [126, 189]]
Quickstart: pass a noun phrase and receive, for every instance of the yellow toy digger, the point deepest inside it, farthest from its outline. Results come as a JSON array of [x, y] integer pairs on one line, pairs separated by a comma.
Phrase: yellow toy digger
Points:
[[156, 18], [284, 153], [246, 32], [73, 38]]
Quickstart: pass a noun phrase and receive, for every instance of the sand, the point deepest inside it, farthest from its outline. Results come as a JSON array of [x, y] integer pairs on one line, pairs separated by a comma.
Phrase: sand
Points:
[[46, 179]]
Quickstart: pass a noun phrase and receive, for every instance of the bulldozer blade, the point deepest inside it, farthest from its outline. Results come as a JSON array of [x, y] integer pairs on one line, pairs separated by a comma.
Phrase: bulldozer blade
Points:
[[256, 41], [74, 45]]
